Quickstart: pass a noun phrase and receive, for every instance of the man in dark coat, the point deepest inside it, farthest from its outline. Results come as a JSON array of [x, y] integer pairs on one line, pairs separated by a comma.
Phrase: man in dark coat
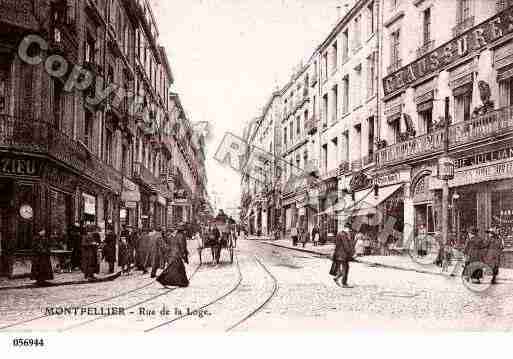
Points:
[[156, 251], [142, 250], [475, 251], [109, 249], [90, 239], [342, 255], [494, 253]]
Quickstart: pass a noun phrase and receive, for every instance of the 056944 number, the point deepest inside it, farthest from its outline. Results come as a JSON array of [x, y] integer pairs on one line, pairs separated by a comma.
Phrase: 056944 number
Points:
[[28, 342]]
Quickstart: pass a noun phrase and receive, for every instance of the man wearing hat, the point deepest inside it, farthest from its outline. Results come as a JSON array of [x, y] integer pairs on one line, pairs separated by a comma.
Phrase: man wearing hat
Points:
[[474, 250], [494, 252], [342, 255]]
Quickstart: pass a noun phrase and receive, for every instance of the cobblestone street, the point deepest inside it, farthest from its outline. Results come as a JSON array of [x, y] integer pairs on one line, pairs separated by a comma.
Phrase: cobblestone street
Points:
[[266, 288]]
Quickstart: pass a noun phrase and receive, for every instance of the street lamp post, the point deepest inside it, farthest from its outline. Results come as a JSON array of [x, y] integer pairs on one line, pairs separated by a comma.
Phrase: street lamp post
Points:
[[445, 173]]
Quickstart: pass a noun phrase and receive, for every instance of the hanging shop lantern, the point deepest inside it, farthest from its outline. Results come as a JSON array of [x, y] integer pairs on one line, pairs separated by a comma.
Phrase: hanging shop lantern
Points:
[[445, 168]]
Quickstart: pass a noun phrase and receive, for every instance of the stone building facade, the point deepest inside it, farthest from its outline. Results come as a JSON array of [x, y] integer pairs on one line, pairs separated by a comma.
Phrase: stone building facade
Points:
[[86, 134]]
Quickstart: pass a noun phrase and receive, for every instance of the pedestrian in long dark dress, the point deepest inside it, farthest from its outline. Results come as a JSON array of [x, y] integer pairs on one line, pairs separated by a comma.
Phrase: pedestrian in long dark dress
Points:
[[89, 261], [342, 255], [156, 251], [41, 270], [175, 274], [75, 240], [142, 250], [124, 256], [109, 249]]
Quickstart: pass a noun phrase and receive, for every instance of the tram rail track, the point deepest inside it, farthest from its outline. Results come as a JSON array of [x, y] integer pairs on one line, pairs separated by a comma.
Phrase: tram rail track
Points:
[[103, 300], [231, 291]]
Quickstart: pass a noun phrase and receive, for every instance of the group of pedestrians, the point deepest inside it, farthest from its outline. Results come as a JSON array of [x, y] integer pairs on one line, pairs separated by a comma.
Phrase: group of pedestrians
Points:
[[153, 248], [300, 235]]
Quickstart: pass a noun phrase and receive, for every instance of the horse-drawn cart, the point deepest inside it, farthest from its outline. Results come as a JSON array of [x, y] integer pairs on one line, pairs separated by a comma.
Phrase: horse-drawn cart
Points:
[[216, 245]]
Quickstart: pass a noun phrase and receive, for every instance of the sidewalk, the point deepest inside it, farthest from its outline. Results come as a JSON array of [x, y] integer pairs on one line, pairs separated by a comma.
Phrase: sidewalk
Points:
[[60, 279], [399, 262]]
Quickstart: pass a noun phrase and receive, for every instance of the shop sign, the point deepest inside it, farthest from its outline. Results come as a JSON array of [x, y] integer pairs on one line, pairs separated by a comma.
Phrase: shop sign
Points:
[[89, 204], [61, 179], [492, 156], [21, 166], [387, 179], [471, 41], [360, 181], [465, 177]]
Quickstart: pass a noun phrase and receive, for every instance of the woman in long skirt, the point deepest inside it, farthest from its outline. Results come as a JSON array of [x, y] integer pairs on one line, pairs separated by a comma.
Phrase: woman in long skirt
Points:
[[41, 270], [174, 274]]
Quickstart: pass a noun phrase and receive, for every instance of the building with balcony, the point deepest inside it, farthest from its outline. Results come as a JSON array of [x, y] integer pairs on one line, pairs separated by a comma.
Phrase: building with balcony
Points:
[[299, 152], [349, 58], [469, 64], [69, 154], [261, 173]]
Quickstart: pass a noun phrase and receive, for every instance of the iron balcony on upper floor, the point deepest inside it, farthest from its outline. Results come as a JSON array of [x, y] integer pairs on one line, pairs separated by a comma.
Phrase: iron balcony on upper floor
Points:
[[42, 137], [485, 127]]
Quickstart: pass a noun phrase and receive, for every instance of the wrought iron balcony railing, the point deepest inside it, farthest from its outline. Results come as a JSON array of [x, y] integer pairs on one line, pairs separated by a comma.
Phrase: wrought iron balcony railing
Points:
[[493, 123], [37, 136], [462, 26]]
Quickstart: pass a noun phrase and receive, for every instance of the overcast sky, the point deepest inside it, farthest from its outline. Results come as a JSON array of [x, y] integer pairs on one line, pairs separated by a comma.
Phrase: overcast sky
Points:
[[227, 56]]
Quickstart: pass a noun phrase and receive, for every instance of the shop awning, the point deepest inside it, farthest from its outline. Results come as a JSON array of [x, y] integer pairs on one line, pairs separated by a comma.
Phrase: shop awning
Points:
[[367, 203]]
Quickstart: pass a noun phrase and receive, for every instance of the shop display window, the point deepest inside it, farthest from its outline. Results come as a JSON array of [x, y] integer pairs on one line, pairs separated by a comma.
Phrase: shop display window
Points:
[[502, 215], [60, 213]]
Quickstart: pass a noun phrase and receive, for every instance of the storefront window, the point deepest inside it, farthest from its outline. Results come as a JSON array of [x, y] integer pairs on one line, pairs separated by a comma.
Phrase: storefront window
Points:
[[60, 218], [89, 209], [502, 215]]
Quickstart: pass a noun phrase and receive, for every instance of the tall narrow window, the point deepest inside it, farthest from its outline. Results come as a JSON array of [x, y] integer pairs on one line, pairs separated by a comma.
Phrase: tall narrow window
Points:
[[89, 49], [88, 129], [291, 130], [426, 27], [285, 136], [345, 45], [325, 66], [58, 107], [394, 49], [463, 12], [371, 75], [370, 125], [325, 157], [298, 126], [108, 146], [334, 57], [358, 86], [357, 33], [463, 105], [335, 104], [345, 103], [370, 15], [325, 110]]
